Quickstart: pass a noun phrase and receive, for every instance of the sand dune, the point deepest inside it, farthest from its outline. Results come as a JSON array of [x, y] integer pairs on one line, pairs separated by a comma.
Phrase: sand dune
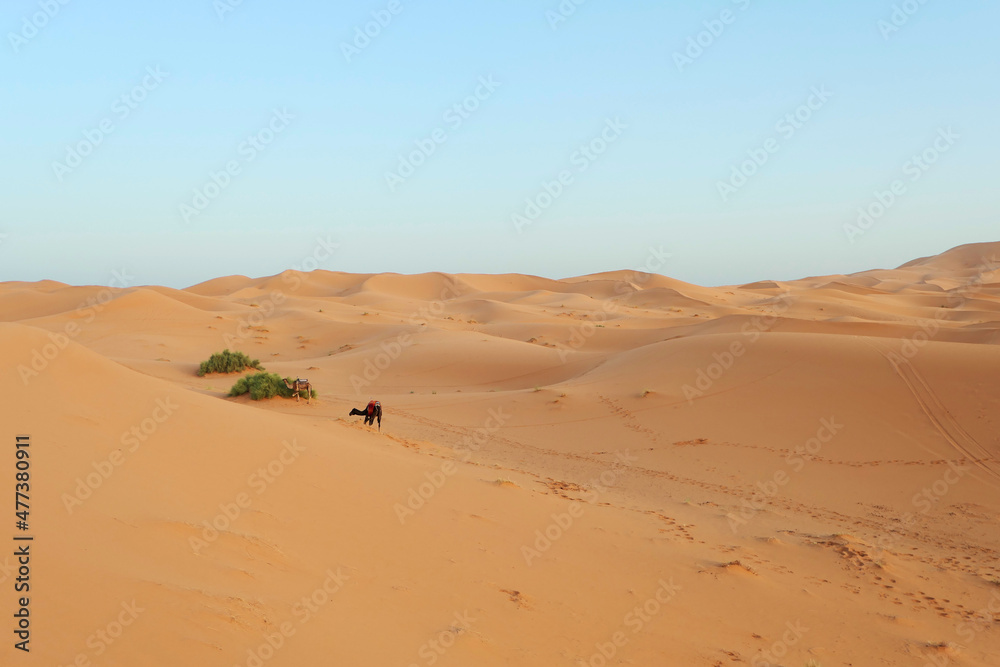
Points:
[[608, 469], [965, 258], [220, 286]]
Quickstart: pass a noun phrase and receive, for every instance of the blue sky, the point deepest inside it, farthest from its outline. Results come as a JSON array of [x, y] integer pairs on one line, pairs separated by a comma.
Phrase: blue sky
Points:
[[311, 134]]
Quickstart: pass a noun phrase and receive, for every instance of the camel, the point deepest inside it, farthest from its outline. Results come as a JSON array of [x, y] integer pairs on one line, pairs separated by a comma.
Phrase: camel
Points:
[[372, 412], [300, 385]]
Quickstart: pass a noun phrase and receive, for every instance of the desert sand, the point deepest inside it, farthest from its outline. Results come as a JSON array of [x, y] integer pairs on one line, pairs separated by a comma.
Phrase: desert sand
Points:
[[619, 468]]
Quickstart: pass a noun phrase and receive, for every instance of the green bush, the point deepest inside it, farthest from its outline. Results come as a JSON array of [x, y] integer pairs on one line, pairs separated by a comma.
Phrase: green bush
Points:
[[265, 385], [228, 362]]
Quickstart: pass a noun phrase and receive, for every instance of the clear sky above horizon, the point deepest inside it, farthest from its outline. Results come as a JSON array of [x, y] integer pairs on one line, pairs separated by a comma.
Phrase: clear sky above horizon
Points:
[[193, 139]]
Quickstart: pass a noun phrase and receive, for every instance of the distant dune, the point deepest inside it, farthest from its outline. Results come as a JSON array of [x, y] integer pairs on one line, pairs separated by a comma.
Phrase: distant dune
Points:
[[618, 468]]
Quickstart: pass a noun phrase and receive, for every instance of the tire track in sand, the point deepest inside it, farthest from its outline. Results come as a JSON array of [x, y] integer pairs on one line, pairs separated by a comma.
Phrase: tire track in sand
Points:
[[930, 404]]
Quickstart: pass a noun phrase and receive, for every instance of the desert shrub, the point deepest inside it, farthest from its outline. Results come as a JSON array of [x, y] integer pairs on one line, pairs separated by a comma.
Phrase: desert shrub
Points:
[[258, 385], [228, 362], [265, 385]]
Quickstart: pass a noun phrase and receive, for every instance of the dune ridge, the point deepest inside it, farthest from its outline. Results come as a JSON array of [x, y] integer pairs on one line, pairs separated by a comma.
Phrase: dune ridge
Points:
[[617, 468]]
